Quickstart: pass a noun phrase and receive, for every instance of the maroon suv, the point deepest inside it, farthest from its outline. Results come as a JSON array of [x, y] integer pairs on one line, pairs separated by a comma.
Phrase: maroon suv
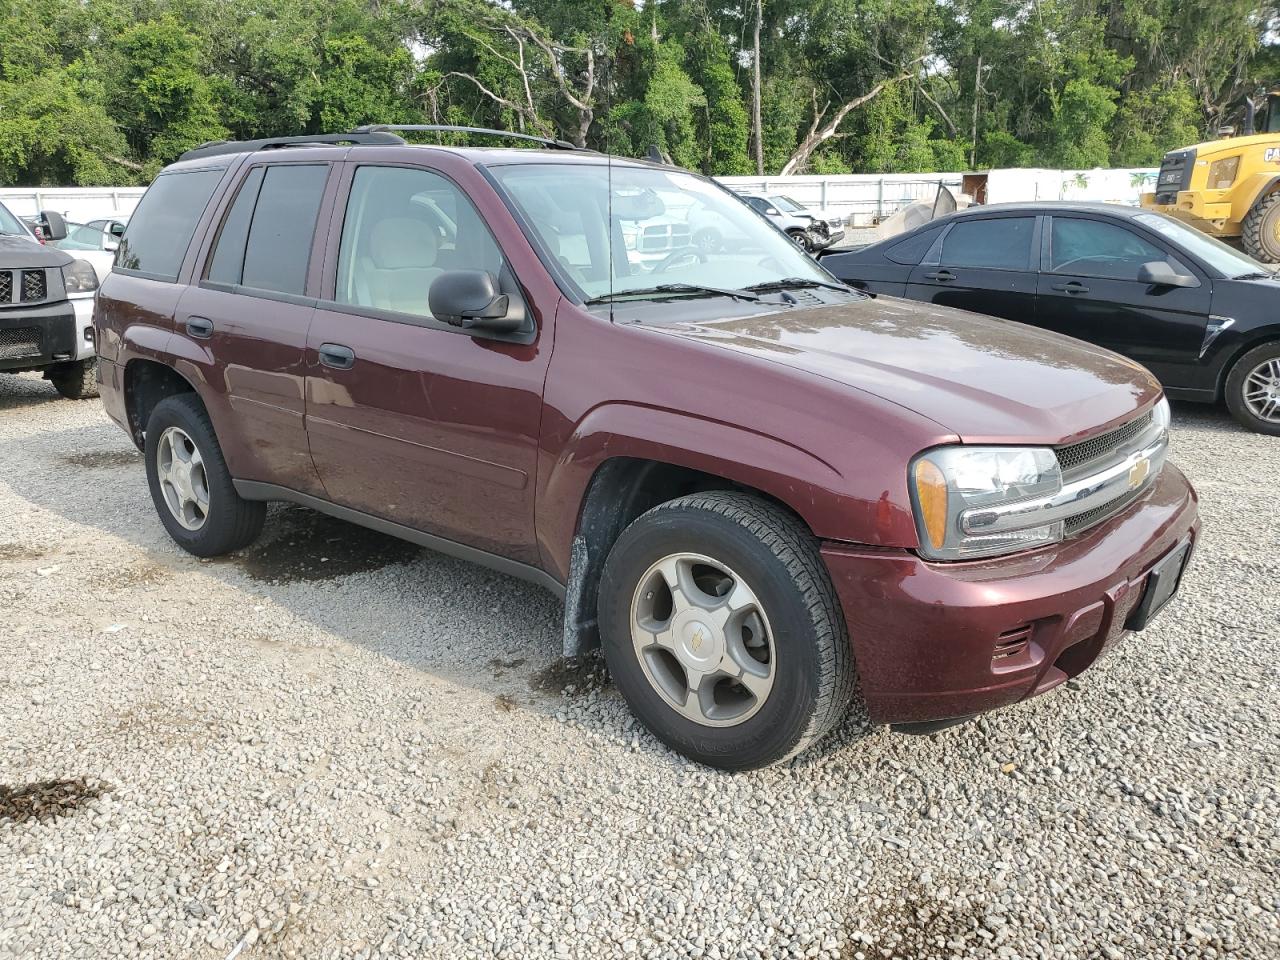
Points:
[[766, 495]]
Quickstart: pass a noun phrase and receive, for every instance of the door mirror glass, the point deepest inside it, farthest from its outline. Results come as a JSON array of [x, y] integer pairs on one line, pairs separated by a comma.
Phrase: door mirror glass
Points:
[[472, 299], [1158, 273]]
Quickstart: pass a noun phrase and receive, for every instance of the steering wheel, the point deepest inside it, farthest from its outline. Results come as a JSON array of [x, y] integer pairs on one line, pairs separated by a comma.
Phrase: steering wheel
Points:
[[1095, 258], [684, 253]]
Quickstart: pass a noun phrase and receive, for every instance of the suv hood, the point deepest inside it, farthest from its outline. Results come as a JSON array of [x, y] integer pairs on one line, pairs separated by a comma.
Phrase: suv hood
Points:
[[17, 253], [986, 380]]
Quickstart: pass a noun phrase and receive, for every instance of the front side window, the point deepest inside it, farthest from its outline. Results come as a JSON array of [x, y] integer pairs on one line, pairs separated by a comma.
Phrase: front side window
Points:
[[1001, 244], [161, 228], [403, 228], [12, 225], [620, 228], [1093, 248], [1229, 261]]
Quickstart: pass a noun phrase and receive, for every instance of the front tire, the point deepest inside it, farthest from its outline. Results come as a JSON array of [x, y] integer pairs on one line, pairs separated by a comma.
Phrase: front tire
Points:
[[76, 380], [802, 240], [1253, 389], [190, 484], [1260, 232], [723, 632]]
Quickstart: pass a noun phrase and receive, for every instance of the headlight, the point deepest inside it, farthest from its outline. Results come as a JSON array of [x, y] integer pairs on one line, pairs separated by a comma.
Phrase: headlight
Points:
[[948, 481], [80, 277], [1161, 415], [1222, 173]]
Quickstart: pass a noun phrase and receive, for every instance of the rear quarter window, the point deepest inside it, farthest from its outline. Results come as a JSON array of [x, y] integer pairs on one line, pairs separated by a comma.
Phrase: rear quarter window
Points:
[[911, 250], [161, 228]]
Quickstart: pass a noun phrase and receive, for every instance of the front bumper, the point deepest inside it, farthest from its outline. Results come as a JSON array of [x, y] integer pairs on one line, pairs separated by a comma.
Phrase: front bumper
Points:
[[38, 336], [931, 640]]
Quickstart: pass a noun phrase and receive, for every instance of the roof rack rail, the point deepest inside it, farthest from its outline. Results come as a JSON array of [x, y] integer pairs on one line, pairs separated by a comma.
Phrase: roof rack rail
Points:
[[480, 131], [218, 147]]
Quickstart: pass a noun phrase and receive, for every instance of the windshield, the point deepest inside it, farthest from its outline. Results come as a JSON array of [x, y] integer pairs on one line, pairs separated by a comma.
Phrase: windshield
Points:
[[11, 224], [787, 204], [666, 228], [1231, 263]]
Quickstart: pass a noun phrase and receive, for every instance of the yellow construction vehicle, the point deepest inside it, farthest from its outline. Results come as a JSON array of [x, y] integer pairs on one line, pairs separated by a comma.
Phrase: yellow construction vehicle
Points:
[[1229, 188]]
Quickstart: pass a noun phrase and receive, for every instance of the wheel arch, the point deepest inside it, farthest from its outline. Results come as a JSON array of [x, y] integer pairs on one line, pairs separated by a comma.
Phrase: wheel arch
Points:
[[620, 490], [1255, 339], [146, 383]]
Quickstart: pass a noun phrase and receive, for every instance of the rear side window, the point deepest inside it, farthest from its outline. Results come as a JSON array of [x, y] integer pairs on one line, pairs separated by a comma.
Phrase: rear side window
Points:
[[911, 250], [265, 241], [160, 230], [1003, 244]]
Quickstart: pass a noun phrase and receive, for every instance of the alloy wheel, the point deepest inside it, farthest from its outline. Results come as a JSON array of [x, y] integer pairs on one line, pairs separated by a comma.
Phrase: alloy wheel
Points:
[[183, 481], [1262, 390], [703, 639]]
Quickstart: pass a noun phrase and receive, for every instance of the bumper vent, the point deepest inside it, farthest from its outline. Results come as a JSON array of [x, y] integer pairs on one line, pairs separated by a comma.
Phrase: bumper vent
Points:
[[1011, 644], [34, 286], [1089, 518], [19, 342], [1079, 457]]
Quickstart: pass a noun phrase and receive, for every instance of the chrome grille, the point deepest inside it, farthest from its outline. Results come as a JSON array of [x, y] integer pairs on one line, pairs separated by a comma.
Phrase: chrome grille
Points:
[[19, 342], [33, 286], [6, 286], [1077, 456], [1090, 518]]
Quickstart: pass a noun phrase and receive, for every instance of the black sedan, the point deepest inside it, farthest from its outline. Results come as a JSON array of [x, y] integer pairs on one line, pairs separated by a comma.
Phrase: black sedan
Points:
[[1201, 316]]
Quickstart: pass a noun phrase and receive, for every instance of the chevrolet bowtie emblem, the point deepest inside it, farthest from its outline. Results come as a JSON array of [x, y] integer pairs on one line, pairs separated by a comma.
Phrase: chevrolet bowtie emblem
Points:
[[696, 640], [1138, 472]]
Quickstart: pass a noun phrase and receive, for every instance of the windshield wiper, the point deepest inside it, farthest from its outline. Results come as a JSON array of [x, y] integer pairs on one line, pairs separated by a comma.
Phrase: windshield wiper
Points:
[[1256, 275], [796, 283], [677, 288]]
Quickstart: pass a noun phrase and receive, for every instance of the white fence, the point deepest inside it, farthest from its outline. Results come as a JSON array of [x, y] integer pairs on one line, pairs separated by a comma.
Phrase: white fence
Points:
[[862, 199], [77, 204]]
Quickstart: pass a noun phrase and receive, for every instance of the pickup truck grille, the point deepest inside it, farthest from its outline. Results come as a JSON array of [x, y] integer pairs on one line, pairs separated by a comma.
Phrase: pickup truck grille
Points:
[[19, 342], [23, 286], [1079, 458], [34, 286]]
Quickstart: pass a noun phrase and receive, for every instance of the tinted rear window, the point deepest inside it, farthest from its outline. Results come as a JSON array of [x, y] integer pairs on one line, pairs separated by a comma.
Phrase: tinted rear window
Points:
[[912, 249], [284, 223], [1003, 244], [160, 230]]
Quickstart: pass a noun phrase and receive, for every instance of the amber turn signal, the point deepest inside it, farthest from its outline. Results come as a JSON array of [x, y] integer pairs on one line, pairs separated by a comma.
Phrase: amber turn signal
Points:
[[931, 493]]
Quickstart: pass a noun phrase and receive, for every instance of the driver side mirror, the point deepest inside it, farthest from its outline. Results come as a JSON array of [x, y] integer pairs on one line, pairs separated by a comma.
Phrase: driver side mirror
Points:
[[1158, 273], [52, 226], [110, 244], [771, 211], [473, 300]]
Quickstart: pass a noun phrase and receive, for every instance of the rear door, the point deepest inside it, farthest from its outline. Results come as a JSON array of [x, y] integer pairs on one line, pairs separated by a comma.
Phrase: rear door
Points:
[[1089, 289], [984, 265], [246, 320], [410, 419]]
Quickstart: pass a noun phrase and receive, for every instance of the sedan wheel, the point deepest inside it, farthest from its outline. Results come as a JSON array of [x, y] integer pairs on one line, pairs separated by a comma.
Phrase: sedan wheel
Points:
[[1253, 389]]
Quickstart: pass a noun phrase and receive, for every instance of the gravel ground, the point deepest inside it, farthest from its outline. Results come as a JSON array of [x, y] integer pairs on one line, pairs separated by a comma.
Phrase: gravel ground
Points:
[[336, 745]]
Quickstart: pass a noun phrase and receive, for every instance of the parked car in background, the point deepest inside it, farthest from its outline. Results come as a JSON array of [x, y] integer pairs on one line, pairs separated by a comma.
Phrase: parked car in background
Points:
[[764, 493], [46, 306], [113, 225], [90, 244], [1200, 315], [808, 229]]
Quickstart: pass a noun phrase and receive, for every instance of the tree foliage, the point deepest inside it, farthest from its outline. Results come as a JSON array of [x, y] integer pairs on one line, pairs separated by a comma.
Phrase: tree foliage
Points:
[[107, 91]]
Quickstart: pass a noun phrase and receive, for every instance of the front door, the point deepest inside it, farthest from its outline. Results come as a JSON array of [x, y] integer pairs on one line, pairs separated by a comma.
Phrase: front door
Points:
[[249, 313], [410, 419], [984, 265], [1089, 289]]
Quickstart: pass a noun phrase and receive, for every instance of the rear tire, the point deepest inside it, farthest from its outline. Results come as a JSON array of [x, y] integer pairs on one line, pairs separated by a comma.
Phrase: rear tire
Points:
[[216, 519], [1260, 233], [77, 380], [760, 569], [1253, 389]]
